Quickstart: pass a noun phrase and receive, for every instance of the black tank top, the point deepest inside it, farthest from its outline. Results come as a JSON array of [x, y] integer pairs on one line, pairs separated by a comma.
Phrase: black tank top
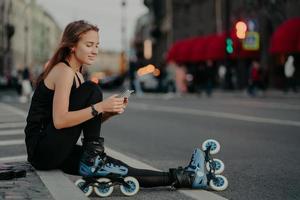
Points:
[[40, 113]]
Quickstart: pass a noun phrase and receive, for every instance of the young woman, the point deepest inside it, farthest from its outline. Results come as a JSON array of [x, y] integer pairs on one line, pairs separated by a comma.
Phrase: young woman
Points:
[[64, 105]]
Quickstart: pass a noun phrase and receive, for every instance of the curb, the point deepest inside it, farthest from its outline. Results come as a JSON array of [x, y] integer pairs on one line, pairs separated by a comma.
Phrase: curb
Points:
[[60, 186]]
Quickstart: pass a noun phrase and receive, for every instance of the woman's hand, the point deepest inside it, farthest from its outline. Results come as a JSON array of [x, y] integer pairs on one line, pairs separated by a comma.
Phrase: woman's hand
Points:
[[125, 103], [106, 115], [112, 104]]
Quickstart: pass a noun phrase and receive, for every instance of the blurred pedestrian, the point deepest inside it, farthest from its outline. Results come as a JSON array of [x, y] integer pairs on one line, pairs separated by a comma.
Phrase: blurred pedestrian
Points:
[[64, 105], [255, 79], [221, 76], [181, 79], [289, 71], [19, 79], [170, 79], [209, 77], [26, 86]]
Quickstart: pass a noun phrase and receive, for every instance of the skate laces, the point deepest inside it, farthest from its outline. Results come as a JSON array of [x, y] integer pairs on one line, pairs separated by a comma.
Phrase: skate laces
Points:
[[98, 163], [193, 162]]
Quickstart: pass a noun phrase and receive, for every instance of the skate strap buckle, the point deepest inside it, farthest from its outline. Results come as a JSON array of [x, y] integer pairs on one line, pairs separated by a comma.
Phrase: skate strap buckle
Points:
[[99, 162]]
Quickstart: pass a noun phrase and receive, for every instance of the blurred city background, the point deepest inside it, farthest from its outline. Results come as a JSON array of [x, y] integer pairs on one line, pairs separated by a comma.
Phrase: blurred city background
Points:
[[222, 69], [163, 46]]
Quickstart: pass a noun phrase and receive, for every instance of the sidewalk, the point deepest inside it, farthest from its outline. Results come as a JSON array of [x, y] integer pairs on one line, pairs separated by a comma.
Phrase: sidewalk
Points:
[[29, 187], [46, 185]]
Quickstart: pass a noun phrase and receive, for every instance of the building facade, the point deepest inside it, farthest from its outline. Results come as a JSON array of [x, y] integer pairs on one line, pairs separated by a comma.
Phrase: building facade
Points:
[[28, 36]]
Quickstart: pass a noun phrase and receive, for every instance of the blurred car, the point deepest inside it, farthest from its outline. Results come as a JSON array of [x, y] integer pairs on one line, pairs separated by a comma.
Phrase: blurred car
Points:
[[149, 82]]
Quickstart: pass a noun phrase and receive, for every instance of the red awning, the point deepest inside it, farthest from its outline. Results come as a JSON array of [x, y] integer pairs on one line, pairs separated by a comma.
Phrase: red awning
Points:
[[210, 47], [216, 48], [286, 38], [198, 52], [182, 50], [186, 49]]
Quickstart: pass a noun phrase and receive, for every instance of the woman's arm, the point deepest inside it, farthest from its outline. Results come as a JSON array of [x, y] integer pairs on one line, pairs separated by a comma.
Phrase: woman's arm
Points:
[[62, 117]]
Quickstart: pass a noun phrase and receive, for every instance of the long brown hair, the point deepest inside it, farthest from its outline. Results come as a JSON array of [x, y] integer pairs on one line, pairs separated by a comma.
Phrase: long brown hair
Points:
[[70, 37]]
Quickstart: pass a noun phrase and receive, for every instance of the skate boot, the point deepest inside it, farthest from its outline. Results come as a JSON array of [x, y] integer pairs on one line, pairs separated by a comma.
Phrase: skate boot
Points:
[[193, 175], [100, 175], [196, 176], [93, 161]]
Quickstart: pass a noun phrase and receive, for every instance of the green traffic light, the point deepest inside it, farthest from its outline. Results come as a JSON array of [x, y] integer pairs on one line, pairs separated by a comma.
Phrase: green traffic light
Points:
[[229, 49], [229, 45]]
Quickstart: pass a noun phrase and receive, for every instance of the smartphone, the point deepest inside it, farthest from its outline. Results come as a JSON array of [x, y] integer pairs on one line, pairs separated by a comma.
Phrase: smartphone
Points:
[[125, 94]]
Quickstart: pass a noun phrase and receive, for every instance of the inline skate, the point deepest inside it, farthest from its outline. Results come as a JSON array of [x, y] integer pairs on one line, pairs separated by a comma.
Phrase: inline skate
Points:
[[101, 176], [203, 171]]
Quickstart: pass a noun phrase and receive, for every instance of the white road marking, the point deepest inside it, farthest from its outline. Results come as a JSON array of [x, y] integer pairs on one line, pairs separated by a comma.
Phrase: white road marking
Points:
[[11, 142], [5, 114], [260, 104], [12, 125], [13, 110], [142, 106], [232, 101], [12, 132], [13, 159]]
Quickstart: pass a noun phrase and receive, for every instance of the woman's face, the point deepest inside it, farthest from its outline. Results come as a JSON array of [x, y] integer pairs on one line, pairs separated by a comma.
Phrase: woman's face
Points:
[[87, 47]]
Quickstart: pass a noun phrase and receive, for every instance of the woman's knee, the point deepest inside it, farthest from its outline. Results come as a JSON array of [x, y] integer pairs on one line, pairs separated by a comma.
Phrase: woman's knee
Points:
[[90, 86], [94, 91], [86, 94]]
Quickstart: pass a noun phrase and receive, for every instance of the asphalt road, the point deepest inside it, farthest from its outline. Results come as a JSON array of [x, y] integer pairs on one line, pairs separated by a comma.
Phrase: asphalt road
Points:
[[259, 139]]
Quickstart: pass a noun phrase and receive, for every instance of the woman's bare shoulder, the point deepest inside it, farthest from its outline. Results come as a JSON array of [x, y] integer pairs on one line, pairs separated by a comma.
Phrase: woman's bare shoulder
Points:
[[62, 68], [60, 72]]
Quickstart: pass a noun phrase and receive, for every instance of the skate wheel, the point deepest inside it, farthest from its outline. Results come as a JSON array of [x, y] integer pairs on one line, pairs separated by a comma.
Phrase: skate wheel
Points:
[[215, 146], [217, 165], [104, 187], [86, 190], [133, 188], [219, 183]]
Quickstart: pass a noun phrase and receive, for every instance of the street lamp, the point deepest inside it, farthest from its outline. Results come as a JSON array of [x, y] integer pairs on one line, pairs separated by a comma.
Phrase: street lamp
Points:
[[27, 4], [123, 25], [123, 63]]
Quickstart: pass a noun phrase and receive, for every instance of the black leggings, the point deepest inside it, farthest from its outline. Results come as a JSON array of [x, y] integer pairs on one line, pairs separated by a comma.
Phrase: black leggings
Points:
[[57, 148]]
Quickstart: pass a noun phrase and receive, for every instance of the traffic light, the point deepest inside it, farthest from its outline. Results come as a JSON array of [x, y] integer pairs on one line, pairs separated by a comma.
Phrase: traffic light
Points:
[[229, 46], [241, 28]]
